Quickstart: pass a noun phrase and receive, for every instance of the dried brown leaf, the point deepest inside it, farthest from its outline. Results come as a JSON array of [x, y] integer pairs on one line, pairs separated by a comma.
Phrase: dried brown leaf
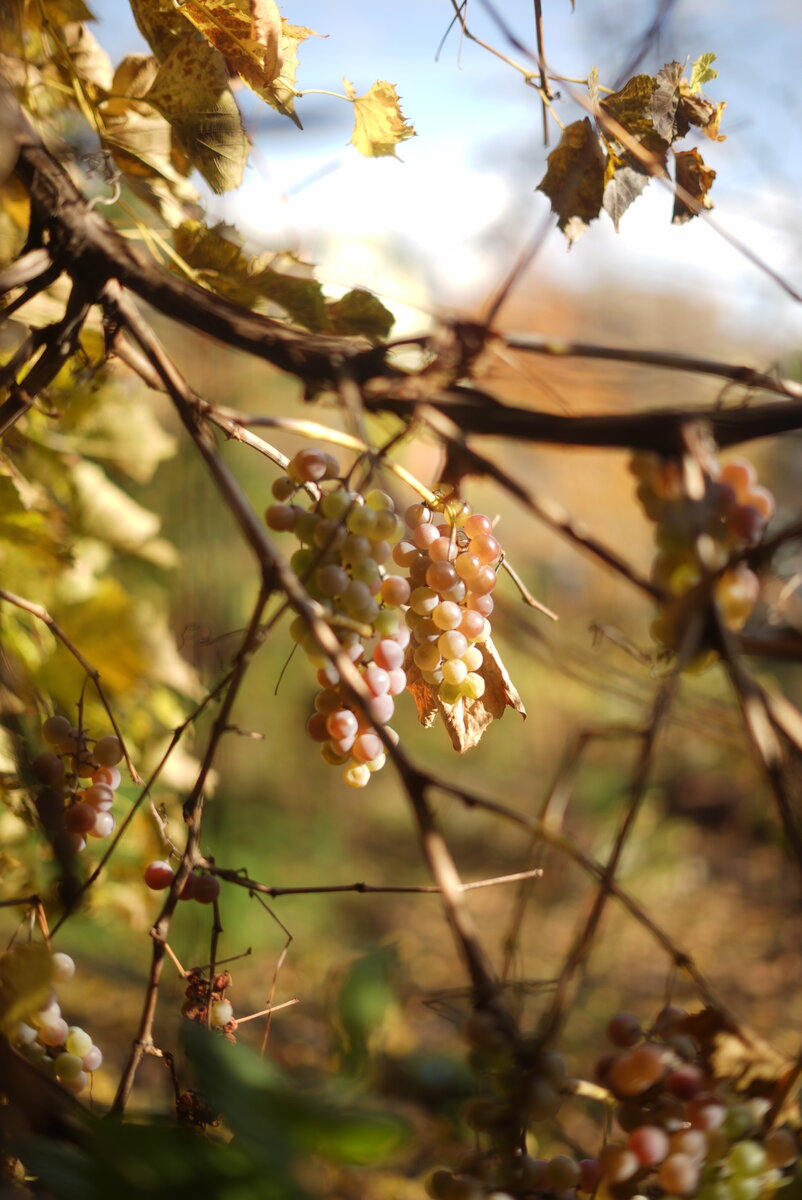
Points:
[[696, 178], [574, 179]]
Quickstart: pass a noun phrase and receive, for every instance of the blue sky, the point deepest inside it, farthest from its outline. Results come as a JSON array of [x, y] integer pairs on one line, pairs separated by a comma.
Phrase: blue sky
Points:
[[422, 227]]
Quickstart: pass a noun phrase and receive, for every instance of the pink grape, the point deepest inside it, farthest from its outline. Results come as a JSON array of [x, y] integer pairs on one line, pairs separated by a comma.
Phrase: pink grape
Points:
[[342, 723], [282, 518], [316, 728], [417, 514], [679, 1174], [377, 679], [93, 1059], [367, 747], [55, 730], [486, 548], [442, 549], [394, 590], [99, 796], [108, 775], [388, 654], [80, 818], [477, 524], [383, 708], [424, 535], [649, 1144], [398, 681], [441, 576]]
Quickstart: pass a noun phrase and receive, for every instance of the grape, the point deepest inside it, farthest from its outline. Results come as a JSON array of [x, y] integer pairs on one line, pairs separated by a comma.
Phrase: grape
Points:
[[75, 1085], [480, 604], [685, 1081], [67, 1066], [307, 466], [452, 644], [207, 889], [377, 679], [423, 601], [54, 1033], [388, 654], [78, 1041], [447, 615], [424, 535], [706, 1114], [342, 723], [282, 488], [383, 708], [624, 1029], [679, 1174], [104, 825], [649, 1144], [617, 1163], [80, 818], [692, 1142], [477, 524], [473, 686], [747, 1158], [367, 747], [93, 1059], [56, 730], [426, 657], [108, 751], [561, 1173], [158, 875], [398, 681], [221, 1013], [781, 1148], [417, 514], [63, 966], [454, 670], [637, 1070], [589, 1174], [282, 518], [357, 775], [486, 549], [110, 776], [99, 796], [441, 576]]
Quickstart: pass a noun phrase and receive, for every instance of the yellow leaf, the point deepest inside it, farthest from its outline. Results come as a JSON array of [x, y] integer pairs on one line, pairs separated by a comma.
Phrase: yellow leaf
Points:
[[26, 977], [247, 34], [191, 90], [702, 71], [379, 124], [695, 177]]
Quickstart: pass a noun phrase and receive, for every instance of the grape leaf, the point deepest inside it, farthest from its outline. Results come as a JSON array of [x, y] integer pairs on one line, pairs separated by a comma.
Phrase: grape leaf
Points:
[[624, 183], [162, 25], [694, 175], [359, 312], [467, 720], [632, 108], [662, 108], [379, 124], [26, 976], [191, 91], [702, 72], [248, 35], [574, 179], [695, 110]]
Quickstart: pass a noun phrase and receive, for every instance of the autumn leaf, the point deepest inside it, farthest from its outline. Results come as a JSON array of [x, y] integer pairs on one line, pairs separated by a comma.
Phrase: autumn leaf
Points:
[[702, 72], [662, 108], [191, 91], [379, 124], [695, 177], [696, 110], [467, 720], [163, 26], [632, 109], [359, 312], [574, 179], [623, 185], [248, 35]]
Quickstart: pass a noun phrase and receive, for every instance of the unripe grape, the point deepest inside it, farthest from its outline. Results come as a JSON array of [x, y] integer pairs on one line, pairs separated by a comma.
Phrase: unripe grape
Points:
[[472, 657], [447, 615], [473, 686], [282, 488], [561, 1173], [423, 601], [78, 1041], [355, 549], [76, 1084], [747, 1158], [67, 1066], [54, 1033], [417, 514], [332, 756], [454, 670]]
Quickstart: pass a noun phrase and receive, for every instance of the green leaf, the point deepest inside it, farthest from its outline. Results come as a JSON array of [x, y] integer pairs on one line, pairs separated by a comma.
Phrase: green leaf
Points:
[[26, 977], [275, 1118], [574, 179], [359, 312], [363, 1003], [191, 91], [702, 72], [379, 124]]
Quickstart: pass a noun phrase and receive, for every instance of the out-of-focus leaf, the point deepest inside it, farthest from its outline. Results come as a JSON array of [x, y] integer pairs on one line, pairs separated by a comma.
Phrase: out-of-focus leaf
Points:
[[161, 24], [26, 977], [574, 179], [359, 312], [364, 999], [191, 91], [696, 110], [696, 178], [702, 72], [104, 511], [623, 185], [88, 59], [59, 12], [379, 124], [114, 425], [662, 107], [275, 1118], [248, 35]]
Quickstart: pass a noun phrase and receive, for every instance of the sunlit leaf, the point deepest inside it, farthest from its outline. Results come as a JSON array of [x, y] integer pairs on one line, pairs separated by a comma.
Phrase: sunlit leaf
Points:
[[161, 23], [359, 312], [191, 91], [695, 177], [26, 976], [662, 107], [248, 35], [379, 124], [574, 179], [631, 108], [702, 71], [623, 185]]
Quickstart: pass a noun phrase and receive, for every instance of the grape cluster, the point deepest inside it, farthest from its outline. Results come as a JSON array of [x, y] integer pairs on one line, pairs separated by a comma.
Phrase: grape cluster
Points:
[[210, 1006], [80, 777], [204, 888], [675, 1129], [451, 564], [408, 599], [699, 538], [346, 546], [682, 1130], [65, 1051]]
